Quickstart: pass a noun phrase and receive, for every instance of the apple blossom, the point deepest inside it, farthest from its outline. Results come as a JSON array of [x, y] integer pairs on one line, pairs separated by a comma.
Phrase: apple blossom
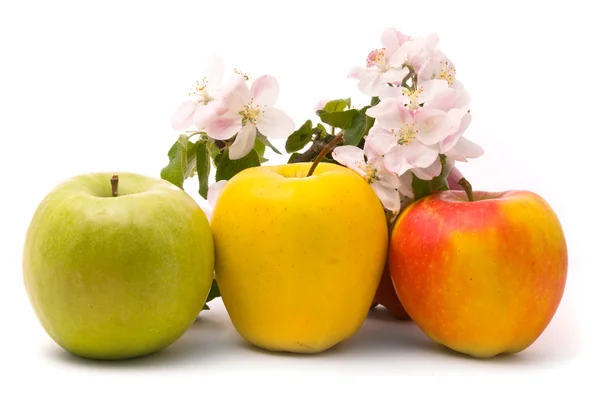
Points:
[[199, 107], [245, 111], [438, 66], [408, 138], [384, 183]]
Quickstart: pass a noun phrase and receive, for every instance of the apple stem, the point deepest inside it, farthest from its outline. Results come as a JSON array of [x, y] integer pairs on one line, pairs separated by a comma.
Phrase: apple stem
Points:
[[328, 148], [114, 183], [466, 186]]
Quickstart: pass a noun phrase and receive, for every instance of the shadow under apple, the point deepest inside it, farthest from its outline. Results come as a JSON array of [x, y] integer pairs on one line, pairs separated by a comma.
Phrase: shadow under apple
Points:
[[205, 340]]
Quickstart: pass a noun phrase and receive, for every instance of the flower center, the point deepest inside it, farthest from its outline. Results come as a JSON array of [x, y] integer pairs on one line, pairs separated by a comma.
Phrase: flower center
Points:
[[406, 134], [447, 72], [369, 170], [376, 58], [251, 113], [200, 92], [413, 96]]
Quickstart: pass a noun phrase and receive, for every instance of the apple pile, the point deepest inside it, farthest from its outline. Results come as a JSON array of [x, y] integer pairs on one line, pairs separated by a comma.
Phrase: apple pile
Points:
[[370, 209]]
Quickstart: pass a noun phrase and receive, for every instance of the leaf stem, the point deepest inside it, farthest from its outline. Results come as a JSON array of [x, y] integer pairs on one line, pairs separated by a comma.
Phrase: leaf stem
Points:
[[328, 148], [466, 186], [114, 183]]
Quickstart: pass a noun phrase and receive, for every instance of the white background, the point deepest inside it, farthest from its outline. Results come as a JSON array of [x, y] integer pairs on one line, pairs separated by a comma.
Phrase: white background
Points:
[[90, 86]]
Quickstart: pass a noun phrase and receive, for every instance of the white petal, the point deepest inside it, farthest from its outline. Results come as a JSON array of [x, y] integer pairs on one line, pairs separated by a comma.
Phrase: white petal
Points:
[[428, 173], [205, 113], [214, 191], [389, 40], [406, 184], [214, 72], [389, 197], [395, 161], [432, 89], [387, 177], [349, 156], [391, 113], [223, 128], [368, 81], [183, 116], [243, 143], [275, 123], [433, 125], [379, 140], [458, 127], [393, 75], [419, 155], [467, 149], [235, 94], [265, 91]]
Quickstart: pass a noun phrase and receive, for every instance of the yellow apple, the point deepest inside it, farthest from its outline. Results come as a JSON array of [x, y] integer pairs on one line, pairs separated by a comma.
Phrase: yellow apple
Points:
[[298, 259]]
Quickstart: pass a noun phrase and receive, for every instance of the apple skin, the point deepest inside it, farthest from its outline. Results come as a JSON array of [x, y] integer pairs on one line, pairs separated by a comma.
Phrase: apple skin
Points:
[[386, 296], [117, 277], [298, 259], [483, 277], [386, 293]]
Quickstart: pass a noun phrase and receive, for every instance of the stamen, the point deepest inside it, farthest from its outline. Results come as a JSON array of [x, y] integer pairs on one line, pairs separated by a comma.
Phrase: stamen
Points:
[[245, 76], [376, 57], [251, 113]]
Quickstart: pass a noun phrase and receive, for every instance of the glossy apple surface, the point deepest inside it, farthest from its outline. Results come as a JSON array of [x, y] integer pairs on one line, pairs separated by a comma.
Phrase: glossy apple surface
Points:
[[298, 259], [483, 277], [117, 277]]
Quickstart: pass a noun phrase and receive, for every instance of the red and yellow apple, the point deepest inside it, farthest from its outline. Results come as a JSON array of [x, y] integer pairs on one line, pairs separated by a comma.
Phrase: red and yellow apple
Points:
[[481, 277]]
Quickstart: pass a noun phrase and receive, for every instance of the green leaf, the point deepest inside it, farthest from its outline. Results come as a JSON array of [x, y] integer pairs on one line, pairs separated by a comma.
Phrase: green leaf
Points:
[[203, 167], [299, 138], [355, 133], [336, 105], [320, 131], [260, 148], [266, 141], [339, 119], [212, 294], [227, 168], [182, 162], [293, 156], [422, 188]]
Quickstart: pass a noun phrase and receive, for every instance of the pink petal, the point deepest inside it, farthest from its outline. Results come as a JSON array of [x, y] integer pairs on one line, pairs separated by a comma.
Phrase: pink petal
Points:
[[369, 81], [428, 173], [406, 184], [432, 89], [214, 191], [393, 75], [206, 113], [465, 149], [349, 156], [379, 140], [223, 128], [388, 196], [183, 116], [395, 162], [275, 123], [243, 143], [265, 91], [235, 94], [458, 127], [418, 155], [214, 71], [391, 113], [433, 125]]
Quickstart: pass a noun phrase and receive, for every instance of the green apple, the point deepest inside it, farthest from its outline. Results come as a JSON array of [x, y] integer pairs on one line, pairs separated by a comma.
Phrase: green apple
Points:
[[117, 268]]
